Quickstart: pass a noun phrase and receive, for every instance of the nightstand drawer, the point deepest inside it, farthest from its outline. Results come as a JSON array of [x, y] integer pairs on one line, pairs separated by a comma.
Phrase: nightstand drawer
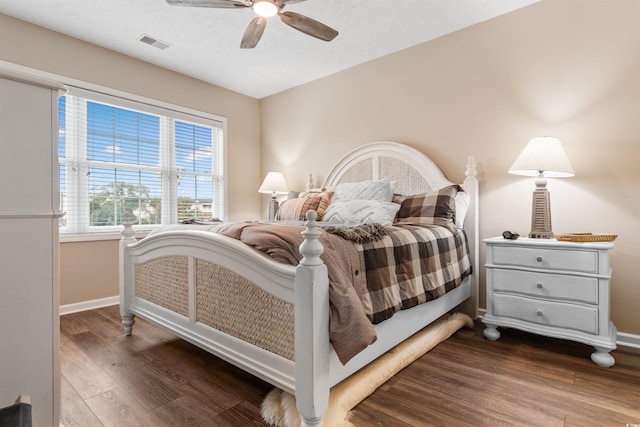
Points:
[[556, 314], [546, 285], [531, 257]]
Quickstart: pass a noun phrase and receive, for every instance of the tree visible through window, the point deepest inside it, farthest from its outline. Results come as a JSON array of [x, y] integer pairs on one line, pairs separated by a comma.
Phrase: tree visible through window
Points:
[[158, 164]]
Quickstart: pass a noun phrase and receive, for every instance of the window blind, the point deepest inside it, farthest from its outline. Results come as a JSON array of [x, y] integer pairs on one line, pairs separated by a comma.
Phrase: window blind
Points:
[[117, 155]]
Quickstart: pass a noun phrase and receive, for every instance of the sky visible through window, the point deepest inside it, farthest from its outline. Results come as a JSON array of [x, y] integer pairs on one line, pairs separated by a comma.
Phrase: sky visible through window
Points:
[[125, 136]]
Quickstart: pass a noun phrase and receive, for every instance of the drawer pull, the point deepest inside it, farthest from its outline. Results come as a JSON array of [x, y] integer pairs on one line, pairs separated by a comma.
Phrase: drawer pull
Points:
[[539, 313], [539, 285], [539, 259]]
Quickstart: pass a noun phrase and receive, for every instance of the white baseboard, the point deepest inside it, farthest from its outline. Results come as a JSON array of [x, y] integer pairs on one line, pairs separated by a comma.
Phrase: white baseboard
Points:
[[628, 340], [88, 305]]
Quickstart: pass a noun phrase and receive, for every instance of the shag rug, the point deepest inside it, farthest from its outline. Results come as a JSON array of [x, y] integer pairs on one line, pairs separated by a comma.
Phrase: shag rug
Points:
[[279, 407]]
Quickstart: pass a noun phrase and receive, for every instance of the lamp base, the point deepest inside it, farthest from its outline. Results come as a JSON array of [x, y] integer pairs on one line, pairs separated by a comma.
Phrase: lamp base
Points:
[[541, 212], [545, 235], [273, 208]]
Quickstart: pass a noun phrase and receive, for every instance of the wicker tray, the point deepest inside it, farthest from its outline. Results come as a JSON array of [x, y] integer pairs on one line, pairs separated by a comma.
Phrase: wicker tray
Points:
[[586, 237]]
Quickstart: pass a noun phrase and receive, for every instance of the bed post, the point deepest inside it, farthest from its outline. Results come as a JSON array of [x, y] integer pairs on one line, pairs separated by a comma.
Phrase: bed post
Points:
[[126, 289], [311, 328], [472, 228]]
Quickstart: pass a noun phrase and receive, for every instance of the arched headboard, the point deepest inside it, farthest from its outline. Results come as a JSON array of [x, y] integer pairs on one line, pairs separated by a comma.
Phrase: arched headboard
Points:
[[413, 173]]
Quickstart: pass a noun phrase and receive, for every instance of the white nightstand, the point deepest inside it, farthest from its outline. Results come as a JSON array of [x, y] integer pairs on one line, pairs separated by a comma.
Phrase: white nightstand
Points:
[[551, 288]]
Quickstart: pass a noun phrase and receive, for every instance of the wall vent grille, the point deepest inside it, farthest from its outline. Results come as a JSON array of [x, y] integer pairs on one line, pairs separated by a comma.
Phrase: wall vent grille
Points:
[[153, 42]]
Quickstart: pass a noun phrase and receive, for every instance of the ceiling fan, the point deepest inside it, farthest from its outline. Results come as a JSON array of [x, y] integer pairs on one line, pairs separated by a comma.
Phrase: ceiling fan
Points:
[[265, 9]]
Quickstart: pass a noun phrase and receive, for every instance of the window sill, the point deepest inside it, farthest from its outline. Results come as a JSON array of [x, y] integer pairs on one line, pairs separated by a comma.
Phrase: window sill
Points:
[[94, 237]]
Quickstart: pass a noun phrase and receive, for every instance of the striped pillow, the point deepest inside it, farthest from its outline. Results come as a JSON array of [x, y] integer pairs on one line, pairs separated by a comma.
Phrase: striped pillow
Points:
[[296, 209]]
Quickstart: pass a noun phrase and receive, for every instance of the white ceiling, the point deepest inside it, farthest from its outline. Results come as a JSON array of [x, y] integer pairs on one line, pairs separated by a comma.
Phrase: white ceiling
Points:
[[205, 42]]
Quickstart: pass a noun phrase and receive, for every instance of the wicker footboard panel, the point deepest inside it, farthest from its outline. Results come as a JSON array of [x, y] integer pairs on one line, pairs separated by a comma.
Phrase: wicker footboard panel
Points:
[[165, 282], [224, 299]]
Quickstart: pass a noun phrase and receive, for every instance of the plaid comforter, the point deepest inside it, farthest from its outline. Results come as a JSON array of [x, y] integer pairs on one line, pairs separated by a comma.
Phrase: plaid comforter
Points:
[[411, 265], [408, 266]]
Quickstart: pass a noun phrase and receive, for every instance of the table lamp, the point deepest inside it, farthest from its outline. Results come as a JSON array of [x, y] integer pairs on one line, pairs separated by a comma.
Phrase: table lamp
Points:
[[273, 184], [542, 157]]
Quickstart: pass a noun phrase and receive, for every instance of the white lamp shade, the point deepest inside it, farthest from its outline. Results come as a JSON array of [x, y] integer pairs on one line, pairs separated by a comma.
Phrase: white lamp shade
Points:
[[543, 154], [274, 183]]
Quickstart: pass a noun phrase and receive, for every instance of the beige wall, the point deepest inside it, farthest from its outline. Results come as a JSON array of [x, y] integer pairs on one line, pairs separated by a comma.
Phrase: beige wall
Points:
[[31, 46], [88, 271], [563, 68]]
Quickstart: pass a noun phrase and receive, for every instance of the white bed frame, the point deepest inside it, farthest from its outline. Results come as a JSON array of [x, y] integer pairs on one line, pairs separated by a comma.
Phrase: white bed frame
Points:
[[316, 368]]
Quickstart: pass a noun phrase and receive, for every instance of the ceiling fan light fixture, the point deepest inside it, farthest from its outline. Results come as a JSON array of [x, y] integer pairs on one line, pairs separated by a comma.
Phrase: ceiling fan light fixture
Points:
[[265, 8]]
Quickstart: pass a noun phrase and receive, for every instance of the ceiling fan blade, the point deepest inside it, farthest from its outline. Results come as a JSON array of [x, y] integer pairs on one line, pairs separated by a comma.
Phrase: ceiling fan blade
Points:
[[283, 3], [253, 32], [221, 4], [308, 26]]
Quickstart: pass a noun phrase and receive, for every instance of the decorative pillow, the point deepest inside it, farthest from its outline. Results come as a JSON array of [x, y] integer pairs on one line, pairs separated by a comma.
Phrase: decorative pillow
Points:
[[463, 199], [362, 212], [398, 198], [366, 190], [296, 208], [433, 208]]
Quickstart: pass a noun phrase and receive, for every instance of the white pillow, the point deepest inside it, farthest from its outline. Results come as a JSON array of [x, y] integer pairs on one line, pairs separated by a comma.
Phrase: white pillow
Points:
[[361, 212], [462, 205], [365, 190]]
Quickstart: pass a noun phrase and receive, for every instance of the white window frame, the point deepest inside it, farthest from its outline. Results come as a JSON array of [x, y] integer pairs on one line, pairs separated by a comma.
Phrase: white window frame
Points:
[[78, 224]]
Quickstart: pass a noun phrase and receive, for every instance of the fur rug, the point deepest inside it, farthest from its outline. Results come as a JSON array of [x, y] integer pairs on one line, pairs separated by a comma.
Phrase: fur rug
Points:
[[279, 407]]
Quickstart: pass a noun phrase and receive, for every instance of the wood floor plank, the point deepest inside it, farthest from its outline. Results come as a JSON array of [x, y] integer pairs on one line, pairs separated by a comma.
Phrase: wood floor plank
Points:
[[194, 411], [438, 408], [244, 414], [150, 390], [124, 368], [102, 351], [510, 355], [86, 377], [371, 413], [76, 413], [587, 415], [75, 323], [118, 408], [539, 399], [195, 381], [216, 370], [446, 381]]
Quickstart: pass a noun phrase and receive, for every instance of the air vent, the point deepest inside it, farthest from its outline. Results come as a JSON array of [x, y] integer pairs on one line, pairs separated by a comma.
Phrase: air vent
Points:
[[153, 42]]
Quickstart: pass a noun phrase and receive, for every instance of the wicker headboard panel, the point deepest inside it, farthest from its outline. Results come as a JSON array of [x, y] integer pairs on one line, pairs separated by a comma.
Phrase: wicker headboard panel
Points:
[[413, 172]]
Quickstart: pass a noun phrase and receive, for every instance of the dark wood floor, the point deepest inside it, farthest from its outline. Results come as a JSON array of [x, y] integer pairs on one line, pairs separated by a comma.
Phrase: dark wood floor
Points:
[[155, 379]]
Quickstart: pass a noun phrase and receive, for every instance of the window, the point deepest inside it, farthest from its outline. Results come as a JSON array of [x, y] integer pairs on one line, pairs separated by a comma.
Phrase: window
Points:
[[117, 155]]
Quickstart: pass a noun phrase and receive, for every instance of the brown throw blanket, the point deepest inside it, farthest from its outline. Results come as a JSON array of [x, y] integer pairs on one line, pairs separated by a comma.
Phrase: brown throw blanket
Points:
[[359, 234], [350, 329]]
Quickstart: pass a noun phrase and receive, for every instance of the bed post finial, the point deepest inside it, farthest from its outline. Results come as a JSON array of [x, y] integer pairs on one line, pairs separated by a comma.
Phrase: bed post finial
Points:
[[127, 232], [311, 248], [471, 171]]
